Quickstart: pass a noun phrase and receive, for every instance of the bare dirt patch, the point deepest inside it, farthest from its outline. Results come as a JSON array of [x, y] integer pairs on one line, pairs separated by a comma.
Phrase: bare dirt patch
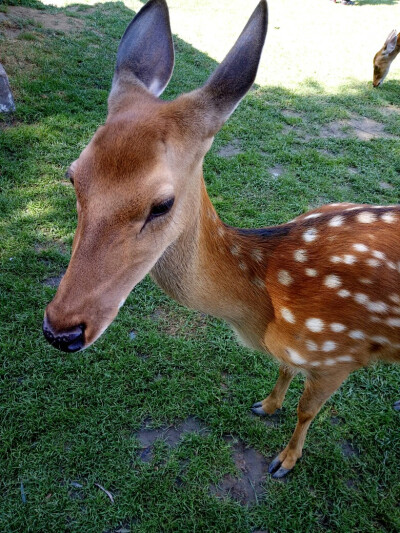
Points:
[[363, 128], [367, 129], [53, 281], [348, 449], [291, 114], [352, 170], [176, 324], [276, 171], [389, 110], [54, 243], [385, 185], [19, 19], [171, 435], [231, 149], [247, 486]]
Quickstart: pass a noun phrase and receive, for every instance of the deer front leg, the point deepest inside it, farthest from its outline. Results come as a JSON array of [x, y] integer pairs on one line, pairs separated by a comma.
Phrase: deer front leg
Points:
[[317, 390], [275, 399]]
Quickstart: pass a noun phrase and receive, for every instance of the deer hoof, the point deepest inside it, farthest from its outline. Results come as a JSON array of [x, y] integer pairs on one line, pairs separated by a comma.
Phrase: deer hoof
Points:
[[396, 405], [276, 470], [258, 410]]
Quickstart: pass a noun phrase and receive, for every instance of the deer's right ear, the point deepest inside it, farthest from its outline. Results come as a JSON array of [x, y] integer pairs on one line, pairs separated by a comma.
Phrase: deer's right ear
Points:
[[232, 79], [390, 43], [145, 54]]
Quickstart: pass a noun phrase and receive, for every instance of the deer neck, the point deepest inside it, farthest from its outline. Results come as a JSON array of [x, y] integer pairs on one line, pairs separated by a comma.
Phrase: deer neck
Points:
[[219, 270]]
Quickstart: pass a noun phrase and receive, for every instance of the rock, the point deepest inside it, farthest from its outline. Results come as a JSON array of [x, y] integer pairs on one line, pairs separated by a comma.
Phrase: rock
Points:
[[6, 99]]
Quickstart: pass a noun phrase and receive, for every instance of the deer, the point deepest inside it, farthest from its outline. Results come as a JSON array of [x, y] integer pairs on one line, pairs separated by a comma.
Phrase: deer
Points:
[[320, 293], [384, 58]]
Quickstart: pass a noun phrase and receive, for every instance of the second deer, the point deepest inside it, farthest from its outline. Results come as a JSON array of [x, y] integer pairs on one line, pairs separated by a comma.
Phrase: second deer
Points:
[[384, 58], [320, 293]]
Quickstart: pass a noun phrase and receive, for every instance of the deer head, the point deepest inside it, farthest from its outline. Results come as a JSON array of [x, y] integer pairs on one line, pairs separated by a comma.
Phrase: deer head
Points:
[[383, 59], [139, 182]]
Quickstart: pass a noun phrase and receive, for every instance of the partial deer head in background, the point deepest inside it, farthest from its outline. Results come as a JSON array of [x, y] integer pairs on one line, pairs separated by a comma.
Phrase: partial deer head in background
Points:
[[383, 59]]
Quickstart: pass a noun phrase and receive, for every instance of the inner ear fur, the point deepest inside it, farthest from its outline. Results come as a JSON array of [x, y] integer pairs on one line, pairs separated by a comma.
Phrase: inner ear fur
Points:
[[145, 57]]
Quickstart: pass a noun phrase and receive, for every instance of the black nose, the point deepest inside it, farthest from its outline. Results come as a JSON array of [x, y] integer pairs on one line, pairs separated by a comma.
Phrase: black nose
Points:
[[70, 340]]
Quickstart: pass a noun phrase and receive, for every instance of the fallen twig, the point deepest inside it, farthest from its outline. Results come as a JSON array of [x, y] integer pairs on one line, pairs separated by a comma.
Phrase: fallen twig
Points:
[[106, 491]]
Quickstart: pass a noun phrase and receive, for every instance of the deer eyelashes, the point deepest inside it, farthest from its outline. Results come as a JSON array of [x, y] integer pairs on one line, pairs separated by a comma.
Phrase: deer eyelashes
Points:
[[159, 210]]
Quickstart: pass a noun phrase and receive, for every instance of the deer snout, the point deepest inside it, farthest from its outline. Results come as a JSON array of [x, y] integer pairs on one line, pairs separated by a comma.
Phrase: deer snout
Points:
[[68, 340]]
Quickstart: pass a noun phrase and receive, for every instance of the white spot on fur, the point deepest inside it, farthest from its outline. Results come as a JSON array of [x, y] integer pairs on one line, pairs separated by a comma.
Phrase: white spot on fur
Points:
[[356, 334], [349, 259], [335, 259], [374, 318], [373, 262], [315, 324], [344, 293], [366, 281], [242, 266], [395, 322], [310, 235], [311, 346], [377, 307], [295, 356], [391, 265], [359, 247], [315, 363], [332, 281], [288, 315], [395, 298], [313, 215], [300, 256], [380, 340], [378, 254], [329, 362], [361, 298], [235, 249], [257, 255], [258, 282], [284, 277], [366, 217], [336, 221], [337, 327], [329, 346], [344, 359], [389, 218], [221, 231], [311, 272]]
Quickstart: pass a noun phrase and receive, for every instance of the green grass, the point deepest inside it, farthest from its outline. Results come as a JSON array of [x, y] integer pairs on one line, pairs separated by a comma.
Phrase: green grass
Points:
[[73, 418]]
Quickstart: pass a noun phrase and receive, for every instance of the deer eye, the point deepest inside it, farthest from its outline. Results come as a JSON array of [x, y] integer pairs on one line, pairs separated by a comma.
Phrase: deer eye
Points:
[[161, 209]]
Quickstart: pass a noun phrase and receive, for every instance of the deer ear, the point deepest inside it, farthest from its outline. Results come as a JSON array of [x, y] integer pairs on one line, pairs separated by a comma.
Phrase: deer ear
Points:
[[232, 79], [146, 51], [390, 43]]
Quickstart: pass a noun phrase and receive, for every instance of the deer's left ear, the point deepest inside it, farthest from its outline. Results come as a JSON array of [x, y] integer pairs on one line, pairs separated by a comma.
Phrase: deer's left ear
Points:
[[390, 43], [223, 91], [145, 54]]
